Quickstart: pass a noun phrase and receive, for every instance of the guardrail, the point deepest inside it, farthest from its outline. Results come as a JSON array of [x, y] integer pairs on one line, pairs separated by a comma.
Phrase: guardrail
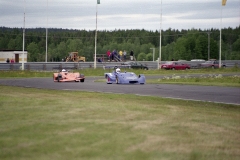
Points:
[[52, 66]]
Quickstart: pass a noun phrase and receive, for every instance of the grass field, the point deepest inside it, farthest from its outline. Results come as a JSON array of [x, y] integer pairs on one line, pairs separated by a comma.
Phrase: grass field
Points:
[[206, 80], [40, 124], [48, 124]]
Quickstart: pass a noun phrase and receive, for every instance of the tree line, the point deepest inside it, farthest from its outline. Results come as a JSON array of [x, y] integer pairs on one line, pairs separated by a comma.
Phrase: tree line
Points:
[[175, 44]]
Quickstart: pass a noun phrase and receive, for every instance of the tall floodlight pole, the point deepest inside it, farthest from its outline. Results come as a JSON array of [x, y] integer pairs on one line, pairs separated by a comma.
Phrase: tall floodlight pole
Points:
[[220, 40], [208, 44], [95, 55], [23, 36], [160, 39], [220, 43], [47, 35]]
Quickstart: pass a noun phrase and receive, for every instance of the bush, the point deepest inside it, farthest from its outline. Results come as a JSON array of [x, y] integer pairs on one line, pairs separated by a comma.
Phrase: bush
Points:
[[149, 57], [141, 57]]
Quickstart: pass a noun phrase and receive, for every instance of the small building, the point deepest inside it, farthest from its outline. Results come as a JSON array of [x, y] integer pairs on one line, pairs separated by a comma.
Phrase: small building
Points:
[[15, 56]]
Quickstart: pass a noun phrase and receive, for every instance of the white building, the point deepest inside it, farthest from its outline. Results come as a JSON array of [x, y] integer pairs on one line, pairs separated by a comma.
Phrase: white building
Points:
[[16, 56]]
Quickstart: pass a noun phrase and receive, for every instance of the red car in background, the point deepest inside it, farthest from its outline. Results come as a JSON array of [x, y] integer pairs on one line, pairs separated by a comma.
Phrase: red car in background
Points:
[[175, 65]]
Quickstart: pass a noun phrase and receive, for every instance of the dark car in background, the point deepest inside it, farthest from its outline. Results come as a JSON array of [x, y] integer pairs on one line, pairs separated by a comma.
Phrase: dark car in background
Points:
[[212, 64], [175, 65], [135, 65]]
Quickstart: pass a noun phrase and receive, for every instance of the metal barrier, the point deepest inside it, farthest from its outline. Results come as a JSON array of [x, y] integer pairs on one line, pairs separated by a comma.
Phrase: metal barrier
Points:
[[55, 66]]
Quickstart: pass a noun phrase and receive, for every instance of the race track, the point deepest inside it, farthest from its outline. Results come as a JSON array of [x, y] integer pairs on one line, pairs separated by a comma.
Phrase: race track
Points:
[[227, 95]]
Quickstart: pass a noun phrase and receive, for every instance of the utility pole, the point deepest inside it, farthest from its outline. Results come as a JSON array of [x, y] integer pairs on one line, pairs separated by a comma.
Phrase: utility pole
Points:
[[220, 43], [23, 35], [160, 40], [209, 44], [95, 55], [46, 36]]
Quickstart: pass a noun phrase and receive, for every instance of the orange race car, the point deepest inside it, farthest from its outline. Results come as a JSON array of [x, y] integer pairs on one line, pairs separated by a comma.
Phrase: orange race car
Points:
[[65, 76]]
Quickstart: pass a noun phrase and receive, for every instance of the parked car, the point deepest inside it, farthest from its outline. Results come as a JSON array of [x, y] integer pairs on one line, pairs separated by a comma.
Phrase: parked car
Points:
[[175, 65], [212, 64], [135, 65], [198, 60]]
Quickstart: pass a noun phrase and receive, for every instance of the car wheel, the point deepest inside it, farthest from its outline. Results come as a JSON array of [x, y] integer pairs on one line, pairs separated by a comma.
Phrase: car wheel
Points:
[[173, 68], [81, 80], [213, 67]]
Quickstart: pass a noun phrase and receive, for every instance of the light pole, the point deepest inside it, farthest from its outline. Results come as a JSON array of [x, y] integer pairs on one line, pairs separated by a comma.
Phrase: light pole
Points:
[[209, 44], [23, 36], [47, 34], [160, 39], [95, 55], [153, 53], [220, 43]]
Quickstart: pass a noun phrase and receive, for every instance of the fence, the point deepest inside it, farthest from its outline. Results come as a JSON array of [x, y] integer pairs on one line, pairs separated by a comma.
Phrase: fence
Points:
[[51, 66]]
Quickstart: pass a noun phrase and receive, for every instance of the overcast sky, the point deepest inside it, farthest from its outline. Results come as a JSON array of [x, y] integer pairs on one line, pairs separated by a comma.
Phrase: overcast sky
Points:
[[120, 14]]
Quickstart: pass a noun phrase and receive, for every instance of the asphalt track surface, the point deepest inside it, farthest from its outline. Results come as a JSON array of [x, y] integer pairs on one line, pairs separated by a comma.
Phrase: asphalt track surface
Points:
[[226, 95]]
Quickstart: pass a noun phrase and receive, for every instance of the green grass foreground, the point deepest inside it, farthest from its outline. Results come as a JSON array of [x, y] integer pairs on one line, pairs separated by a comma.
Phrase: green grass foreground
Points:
[[44, 124]]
